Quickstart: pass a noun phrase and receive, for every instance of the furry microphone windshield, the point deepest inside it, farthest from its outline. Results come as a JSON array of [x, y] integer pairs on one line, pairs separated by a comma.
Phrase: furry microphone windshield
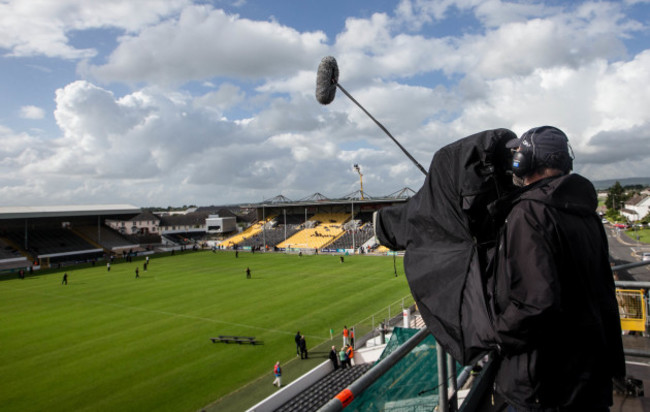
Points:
[[326, 80]]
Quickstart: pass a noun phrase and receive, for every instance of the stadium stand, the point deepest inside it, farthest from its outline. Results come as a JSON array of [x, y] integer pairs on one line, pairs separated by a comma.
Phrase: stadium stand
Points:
[[7, 251], [361, 236], [325, 228], [47, 241], [252, 231], [104, 237], [271, 236]]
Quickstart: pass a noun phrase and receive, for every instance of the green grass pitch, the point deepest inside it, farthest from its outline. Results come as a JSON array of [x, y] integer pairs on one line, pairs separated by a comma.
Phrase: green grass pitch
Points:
[[109, 342]]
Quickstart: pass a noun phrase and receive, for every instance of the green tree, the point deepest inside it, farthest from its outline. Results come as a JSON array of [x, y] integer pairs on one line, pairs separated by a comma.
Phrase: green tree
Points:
[[615, 197]]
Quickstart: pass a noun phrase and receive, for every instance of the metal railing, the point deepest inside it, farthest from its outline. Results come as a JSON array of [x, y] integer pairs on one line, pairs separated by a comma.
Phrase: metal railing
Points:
[[373, 325], [447, 401]]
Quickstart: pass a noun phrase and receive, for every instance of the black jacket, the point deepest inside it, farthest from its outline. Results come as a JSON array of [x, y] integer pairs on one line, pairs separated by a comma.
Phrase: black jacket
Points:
[[553, 297]]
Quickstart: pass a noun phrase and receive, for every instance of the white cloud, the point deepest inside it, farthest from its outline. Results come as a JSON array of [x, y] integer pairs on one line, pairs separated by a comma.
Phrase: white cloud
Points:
[[32, 27], [32, 112], [246, 126], [204, 43]]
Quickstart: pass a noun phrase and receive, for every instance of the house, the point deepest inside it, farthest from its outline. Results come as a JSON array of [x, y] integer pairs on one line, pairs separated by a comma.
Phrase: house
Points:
[[636, 208]]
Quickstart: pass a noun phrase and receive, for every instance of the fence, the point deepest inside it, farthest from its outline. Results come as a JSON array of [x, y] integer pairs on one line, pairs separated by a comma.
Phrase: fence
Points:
[[391, 315]]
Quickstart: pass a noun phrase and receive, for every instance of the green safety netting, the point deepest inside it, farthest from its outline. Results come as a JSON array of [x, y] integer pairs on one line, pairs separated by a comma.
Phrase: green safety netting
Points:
[[411, 385]]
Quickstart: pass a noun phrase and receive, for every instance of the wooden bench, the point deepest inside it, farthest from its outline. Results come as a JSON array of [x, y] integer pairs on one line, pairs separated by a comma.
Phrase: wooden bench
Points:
[[236, 339]]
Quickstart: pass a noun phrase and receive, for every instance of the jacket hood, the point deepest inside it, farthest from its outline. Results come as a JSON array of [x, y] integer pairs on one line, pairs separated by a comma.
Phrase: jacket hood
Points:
[[572, 193]]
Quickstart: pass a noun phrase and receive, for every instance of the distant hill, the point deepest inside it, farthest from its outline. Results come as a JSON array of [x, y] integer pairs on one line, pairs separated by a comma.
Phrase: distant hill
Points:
[[606, 184]]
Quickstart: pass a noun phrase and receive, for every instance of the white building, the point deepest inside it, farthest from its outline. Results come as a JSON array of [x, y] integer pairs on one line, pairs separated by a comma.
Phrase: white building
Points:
[[636, 208]]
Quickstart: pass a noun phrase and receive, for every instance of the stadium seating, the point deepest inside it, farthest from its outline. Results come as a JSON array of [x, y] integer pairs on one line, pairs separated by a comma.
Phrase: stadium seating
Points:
[[326, 228], [361, 236], [271, 236], [248, 233], [47, 241], [325, 389], [104, 237], [7, 251]]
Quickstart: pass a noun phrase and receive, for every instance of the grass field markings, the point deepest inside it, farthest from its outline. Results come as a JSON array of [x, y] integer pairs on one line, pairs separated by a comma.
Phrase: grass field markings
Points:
[[122, 294], [162, 312]]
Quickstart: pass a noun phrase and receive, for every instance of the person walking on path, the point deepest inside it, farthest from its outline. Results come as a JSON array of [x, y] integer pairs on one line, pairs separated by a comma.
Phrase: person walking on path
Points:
[[277, 371]]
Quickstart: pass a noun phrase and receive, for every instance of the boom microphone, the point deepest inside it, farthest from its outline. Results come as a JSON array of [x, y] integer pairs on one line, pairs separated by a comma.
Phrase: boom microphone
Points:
[[327, 80]]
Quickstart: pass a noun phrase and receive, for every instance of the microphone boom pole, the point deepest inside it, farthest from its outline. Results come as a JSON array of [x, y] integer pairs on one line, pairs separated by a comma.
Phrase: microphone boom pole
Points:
[[327, 80], [381, 126]]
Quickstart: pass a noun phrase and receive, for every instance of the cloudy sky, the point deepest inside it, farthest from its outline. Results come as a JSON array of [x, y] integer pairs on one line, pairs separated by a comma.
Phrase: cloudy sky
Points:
[[174, 102]]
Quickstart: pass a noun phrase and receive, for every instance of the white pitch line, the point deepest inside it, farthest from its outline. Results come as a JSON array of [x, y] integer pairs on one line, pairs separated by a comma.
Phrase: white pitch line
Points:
[[162, 312]]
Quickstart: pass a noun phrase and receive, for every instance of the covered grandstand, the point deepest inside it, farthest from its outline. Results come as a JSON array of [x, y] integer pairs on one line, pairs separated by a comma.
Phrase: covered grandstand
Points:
[[42, 236], [314, 223]]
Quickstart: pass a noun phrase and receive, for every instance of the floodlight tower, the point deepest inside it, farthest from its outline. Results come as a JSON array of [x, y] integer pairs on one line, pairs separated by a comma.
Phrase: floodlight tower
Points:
[[358, 169]]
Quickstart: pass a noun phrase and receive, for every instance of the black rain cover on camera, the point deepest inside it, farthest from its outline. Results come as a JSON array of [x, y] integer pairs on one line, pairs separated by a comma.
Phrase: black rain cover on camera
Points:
[[449, 236]]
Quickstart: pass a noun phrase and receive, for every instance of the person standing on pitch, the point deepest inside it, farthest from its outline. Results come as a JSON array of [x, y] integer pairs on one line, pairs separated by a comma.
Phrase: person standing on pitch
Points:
[[558, 332], [248, 273], [277, 371], [65, 279], [137, 272]]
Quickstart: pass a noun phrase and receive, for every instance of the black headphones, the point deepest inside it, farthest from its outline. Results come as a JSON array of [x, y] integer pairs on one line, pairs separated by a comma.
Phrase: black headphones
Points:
[[523, 161]]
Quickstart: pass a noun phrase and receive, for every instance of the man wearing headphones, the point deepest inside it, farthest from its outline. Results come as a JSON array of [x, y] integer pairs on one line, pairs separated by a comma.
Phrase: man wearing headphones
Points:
[[552, 293]]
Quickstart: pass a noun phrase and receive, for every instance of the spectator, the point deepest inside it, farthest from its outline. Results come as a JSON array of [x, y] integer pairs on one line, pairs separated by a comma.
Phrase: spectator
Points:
[[342, 358], [334, 358], [349, 355]]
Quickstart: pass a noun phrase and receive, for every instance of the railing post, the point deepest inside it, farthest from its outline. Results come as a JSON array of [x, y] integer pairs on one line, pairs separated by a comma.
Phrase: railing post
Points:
[[443, 403], [451, 373]]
